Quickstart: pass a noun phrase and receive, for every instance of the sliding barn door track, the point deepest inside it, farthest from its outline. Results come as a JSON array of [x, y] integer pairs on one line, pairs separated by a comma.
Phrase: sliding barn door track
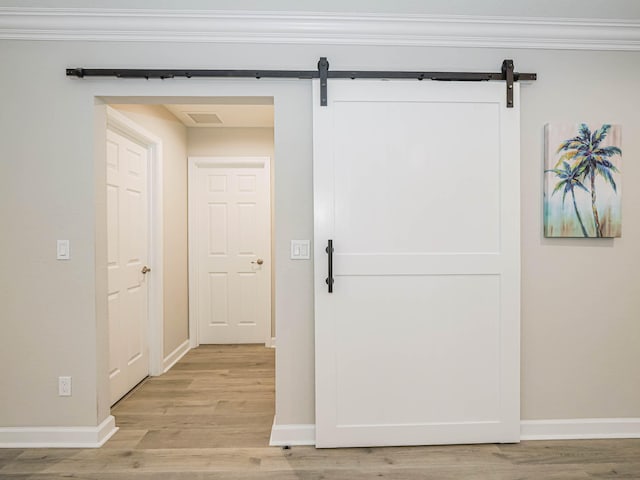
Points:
[[507, 74]]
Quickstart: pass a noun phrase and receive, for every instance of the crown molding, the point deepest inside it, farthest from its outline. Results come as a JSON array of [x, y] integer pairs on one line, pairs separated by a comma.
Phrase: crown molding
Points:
[[244, 27]]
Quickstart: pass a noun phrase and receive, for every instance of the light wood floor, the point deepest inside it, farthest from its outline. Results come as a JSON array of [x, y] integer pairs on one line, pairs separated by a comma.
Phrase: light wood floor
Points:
[[210, 416]]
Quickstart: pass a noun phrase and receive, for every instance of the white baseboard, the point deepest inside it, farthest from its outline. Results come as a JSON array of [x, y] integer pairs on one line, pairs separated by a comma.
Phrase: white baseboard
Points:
[[565, 429], [580, 428], [58, 437], [271, 343], [298, 434], [175, 356]]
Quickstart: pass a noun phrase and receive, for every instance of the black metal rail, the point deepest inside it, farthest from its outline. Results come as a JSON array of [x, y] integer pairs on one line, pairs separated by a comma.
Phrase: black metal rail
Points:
[[506, 74]]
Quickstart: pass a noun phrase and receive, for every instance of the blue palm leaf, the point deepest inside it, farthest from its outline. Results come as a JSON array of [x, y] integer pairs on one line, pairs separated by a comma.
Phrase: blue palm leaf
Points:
[[606, 174], [578, 183], [600, 134], [585, 133], [559, 185], [607, 164], [571, 143], [567, 188], [607, 151]]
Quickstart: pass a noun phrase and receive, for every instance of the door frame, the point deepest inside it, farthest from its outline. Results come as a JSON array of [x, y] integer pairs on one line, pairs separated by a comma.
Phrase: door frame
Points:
[[120, 123], [195, 162]]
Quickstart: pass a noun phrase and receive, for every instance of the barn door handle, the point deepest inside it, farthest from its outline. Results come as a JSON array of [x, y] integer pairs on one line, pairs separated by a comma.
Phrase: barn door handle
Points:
[[329, 251]]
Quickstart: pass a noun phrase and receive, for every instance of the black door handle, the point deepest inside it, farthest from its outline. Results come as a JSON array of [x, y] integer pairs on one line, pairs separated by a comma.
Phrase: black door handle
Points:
[[329, 251]]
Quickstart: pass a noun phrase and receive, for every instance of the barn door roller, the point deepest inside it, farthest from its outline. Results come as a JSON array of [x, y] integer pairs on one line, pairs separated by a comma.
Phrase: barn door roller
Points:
[[507, 71], [507, 74]]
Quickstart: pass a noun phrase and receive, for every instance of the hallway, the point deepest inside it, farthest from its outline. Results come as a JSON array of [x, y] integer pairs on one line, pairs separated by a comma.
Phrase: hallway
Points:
[[215, 396]]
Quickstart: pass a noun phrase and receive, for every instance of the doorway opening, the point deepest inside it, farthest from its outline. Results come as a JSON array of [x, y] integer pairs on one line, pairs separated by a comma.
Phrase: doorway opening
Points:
[[149, 231]]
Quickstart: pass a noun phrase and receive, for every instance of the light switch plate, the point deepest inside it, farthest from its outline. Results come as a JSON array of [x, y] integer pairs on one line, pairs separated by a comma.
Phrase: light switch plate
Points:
[[300, 249], [63, 252], [64, 386]]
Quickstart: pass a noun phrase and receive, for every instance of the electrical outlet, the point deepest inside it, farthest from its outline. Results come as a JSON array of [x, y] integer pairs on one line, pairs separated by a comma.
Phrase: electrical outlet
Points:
[[64, 386]]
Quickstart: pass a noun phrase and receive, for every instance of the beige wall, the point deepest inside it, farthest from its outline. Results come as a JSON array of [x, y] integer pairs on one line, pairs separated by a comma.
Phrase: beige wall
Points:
[[580, 298], [238, 142], [230, 141], [162, 123]]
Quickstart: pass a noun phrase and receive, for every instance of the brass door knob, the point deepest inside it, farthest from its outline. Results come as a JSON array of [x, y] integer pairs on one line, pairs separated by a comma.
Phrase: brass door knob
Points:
[[145, 270], [259, 261]]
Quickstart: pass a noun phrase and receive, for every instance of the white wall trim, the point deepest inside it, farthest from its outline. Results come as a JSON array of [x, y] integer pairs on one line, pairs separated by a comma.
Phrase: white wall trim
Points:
[[298, 434], [271, 343], [58, 437], [192, 250], [175, 356], [565, 429], [580, 428], [123, 124], [211, 26]]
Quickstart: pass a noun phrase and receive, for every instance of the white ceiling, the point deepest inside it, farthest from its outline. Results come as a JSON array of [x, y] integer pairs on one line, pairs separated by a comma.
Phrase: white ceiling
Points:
[[244, 112]]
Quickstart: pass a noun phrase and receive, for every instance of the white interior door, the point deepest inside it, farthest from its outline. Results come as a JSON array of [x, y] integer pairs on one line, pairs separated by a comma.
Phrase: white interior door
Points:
[[230, 232], [417, 184], [127, 240]]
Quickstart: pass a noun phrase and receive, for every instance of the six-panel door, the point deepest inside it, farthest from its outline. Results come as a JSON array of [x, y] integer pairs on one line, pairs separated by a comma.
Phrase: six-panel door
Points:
[[127, 244], [231, 202]]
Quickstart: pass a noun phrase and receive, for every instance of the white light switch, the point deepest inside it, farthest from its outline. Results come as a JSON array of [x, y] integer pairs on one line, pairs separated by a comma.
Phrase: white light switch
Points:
[[300, 249], [64, 386], [63, 252]]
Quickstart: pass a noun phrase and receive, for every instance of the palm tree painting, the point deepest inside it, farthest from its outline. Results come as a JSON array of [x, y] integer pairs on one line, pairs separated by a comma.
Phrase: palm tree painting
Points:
[[582, 180]]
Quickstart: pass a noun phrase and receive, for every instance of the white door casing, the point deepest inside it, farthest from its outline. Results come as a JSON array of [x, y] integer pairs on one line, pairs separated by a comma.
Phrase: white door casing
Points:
[[229, 250], [417, 184], [127, 245]]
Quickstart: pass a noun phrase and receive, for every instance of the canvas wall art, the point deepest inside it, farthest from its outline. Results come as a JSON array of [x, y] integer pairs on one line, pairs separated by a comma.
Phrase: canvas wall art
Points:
[[582, 180]]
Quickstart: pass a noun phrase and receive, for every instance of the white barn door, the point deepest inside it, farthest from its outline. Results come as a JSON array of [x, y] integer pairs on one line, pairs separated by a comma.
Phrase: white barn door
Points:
[[417, 184]]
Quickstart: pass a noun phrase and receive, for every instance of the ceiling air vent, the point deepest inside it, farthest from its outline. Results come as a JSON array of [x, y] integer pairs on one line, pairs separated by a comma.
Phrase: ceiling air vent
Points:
[[205, 118]]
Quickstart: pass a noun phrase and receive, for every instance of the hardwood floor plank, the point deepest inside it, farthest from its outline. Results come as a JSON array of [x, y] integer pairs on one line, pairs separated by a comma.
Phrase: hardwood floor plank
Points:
[[161, 384], [231, 392], [312, 458], [566, 451], [188, 420], [437, 473], [9, 454], [126, 438], [243, 406], [221, 436]]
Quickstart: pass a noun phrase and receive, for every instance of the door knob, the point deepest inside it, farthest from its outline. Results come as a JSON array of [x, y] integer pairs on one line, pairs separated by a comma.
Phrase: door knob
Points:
[[259, 261], [145, 270]]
